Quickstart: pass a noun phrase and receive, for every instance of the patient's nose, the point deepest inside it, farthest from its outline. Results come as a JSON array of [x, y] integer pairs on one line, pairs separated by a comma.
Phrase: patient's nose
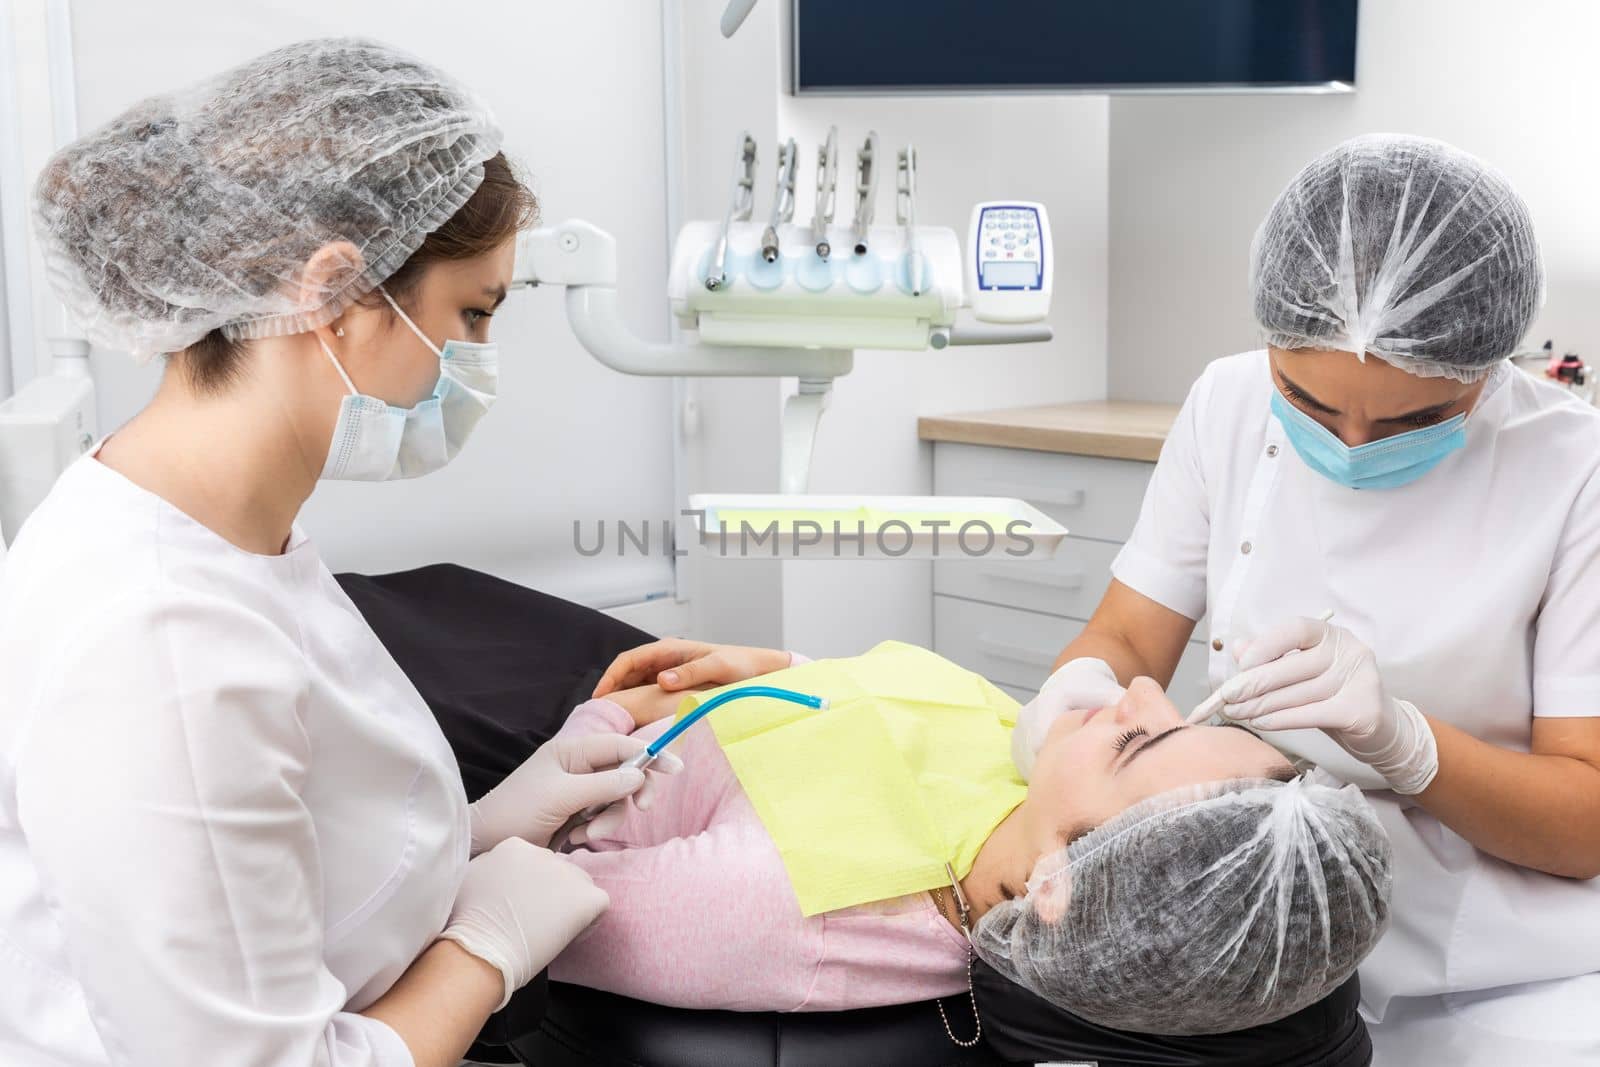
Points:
[[1145, 701]]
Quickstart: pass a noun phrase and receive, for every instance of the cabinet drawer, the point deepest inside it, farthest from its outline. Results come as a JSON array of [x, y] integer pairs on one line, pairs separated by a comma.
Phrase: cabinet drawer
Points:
[[1015, 649], [1091, 497], [1008, 646], [1071, 583]]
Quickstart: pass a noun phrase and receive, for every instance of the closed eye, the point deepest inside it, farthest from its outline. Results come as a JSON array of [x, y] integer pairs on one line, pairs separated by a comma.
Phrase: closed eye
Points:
[[1127, 738]]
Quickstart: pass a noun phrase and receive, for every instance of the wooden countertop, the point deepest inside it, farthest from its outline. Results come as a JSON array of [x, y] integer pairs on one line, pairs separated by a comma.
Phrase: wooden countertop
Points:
[[1110, 428]]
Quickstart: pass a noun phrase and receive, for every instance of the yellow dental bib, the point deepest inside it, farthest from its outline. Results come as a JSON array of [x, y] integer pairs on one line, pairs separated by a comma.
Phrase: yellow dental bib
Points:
[[908, 768]]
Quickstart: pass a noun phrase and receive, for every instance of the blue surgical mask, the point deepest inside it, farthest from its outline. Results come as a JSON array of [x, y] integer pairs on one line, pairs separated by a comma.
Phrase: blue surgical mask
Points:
[[1384, 464], [374, 441]]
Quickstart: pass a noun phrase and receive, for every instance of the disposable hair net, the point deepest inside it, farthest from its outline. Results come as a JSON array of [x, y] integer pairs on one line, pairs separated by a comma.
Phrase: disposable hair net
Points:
[[1404, 248], [199, 209], [1202, 910]]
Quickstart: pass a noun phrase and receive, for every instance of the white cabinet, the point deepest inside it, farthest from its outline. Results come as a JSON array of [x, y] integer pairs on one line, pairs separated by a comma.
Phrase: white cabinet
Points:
[[1008, 619], [1091, 497], [1070, 584]]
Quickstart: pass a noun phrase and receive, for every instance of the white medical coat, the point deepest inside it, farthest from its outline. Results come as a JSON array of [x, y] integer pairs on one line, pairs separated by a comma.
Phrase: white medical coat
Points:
[[228, 821], [1478, 589]]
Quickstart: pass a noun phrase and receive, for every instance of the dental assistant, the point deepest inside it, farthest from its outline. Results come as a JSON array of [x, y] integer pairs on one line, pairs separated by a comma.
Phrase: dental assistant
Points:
[[231, 832], [1381, 458]]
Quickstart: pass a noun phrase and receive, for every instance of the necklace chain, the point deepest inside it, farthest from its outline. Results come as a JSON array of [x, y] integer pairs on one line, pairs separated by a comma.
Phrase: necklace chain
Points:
[[938, 899]]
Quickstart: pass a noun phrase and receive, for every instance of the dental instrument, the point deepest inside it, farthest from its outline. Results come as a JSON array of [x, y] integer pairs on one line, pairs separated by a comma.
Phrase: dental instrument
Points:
[[782, 201], [827, 192], [741, 203], [647, 756], [866, 190], [1212, 704], [905, 211]]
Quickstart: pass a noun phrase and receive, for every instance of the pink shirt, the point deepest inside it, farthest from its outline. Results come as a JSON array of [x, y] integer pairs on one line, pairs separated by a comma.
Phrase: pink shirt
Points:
[[702, 914]]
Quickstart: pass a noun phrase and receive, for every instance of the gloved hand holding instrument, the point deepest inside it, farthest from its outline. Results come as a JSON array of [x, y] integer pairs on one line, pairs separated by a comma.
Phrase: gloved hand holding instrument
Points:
[[563, 776], [1306, 673]]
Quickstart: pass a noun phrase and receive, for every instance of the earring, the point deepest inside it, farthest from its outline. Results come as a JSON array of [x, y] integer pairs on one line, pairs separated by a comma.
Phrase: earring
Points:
[[339, 332]]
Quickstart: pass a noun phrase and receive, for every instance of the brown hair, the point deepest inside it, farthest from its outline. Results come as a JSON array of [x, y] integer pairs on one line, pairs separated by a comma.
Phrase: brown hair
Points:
[[498, 209]]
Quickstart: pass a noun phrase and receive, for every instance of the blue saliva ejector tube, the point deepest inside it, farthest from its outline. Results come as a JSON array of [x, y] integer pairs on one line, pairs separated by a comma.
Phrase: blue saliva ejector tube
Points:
[[648, 755], [660, 743]]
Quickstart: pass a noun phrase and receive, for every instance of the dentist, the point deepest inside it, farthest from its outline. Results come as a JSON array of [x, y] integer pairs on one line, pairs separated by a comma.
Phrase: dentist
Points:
[[1381, 458], [230, 830]]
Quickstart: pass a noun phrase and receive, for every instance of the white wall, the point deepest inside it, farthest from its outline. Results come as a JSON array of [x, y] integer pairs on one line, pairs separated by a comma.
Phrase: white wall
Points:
[[28, 135], [728, 86], [1513, 81], [578, 89]]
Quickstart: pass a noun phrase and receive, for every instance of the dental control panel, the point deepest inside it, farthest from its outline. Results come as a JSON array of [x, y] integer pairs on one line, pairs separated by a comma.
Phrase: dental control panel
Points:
[[1009, 261]]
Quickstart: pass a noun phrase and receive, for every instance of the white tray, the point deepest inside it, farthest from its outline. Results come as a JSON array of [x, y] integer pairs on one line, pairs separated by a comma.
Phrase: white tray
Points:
[[816, 526]]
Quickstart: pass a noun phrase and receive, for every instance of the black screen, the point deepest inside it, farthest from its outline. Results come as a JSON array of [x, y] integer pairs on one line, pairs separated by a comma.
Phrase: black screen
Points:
[[984, 45]]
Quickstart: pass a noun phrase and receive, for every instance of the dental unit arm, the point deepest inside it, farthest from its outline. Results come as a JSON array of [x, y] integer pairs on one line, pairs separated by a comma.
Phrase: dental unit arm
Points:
[[772, 298]]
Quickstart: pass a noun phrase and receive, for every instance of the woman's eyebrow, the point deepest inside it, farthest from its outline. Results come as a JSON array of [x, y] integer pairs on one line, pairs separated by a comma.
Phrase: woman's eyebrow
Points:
[[1307, 397], [1147, 746], [1436, 409], [1419, 413]]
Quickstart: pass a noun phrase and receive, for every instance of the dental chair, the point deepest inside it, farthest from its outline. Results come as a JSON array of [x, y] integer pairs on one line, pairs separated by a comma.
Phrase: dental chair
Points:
[[501, 666], [588, 1028]]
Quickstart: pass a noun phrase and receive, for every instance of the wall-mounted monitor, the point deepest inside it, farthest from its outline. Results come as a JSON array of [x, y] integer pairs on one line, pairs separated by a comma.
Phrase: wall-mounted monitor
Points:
[[1094, 46]]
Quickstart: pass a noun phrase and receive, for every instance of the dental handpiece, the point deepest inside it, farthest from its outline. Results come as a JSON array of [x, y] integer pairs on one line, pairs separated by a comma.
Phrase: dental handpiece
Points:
[[646, 756], [739, 209], [827, 190], [782, 202], [866, 191], [906, 213], [1212, 704]]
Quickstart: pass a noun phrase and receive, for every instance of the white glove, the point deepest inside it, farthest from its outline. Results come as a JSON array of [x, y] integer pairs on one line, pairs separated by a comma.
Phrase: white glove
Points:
[[519, 906], [1332, 685], [1078, 684], [562, 777]]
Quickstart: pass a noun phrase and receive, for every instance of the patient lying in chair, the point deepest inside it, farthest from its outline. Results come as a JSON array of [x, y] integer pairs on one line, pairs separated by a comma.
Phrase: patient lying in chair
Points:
[[1153, 876]]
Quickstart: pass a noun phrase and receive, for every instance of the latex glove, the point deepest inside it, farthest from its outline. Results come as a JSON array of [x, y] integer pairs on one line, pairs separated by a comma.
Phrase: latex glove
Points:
[[1078, 684], [1331, 684], [562, 777], [519, 906], [676, 664]]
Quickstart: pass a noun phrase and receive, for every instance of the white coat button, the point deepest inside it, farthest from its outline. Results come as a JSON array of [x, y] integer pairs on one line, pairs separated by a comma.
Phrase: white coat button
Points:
[[1245, 548], [1216, 644], [1272, 450]]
